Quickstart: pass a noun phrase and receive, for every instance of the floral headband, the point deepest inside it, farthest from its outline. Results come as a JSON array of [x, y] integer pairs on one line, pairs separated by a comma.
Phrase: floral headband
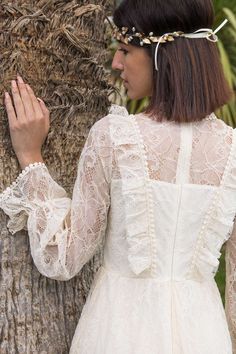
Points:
[[123, 35]]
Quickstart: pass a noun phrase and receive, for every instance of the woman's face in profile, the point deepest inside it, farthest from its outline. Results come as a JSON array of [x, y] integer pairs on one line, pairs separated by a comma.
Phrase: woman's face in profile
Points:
[[136, 70]]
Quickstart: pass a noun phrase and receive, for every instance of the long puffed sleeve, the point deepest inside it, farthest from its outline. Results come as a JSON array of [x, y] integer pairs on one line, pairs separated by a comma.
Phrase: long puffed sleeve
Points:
[[64, 234], [230, 288]]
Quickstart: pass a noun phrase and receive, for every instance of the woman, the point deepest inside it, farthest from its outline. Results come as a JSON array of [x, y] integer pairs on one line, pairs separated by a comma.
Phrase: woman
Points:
[[159, 188]]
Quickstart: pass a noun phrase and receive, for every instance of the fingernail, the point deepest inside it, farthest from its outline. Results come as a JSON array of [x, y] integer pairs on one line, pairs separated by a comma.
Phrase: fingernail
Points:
[[7, 95], [20, 80], [13, 83], [39, 99]]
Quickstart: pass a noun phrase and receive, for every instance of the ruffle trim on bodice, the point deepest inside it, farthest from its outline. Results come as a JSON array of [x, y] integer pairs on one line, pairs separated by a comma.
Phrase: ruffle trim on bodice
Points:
[[136, 190], [135, 194], [218, 223]]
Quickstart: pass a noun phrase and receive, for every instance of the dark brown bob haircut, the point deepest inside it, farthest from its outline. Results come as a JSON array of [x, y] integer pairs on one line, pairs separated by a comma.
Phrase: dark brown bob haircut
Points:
[[190, 82]]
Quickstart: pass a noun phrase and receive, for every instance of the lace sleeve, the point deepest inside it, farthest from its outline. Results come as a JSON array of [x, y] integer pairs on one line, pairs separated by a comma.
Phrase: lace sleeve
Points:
[[230, 288], [64, 234]]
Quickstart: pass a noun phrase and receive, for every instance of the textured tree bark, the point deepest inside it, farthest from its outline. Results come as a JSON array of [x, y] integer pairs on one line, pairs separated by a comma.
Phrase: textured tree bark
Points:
[[58, 47]]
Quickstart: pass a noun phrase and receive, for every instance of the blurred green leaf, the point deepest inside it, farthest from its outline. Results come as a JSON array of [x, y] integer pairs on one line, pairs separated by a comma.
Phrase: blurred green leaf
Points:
[[231, 16], [226, 64]]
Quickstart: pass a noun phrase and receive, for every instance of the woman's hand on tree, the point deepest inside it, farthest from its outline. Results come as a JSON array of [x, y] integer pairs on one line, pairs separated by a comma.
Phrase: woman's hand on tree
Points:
[[28, 122]]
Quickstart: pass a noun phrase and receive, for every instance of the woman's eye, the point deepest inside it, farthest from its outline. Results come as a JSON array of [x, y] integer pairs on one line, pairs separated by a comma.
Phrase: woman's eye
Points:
[[123, 50]]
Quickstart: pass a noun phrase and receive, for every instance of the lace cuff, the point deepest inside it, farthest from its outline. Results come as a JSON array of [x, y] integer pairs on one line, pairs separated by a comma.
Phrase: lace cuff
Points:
[[31, 189]]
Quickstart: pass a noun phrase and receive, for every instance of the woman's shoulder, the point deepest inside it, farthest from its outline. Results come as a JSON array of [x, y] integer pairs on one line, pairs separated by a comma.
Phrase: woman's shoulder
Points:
[[222, 126], [115, 112], [102, 128]]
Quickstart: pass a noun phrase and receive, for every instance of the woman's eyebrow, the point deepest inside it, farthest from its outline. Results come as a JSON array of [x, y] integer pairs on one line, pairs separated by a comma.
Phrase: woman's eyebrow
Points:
[[124, 45]]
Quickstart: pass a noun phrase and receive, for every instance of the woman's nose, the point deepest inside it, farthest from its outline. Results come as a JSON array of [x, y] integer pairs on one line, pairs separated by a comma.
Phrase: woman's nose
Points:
[[117, 63]]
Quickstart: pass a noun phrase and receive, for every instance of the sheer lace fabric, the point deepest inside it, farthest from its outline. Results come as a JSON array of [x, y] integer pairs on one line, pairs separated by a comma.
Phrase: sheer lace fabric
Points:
[[64, 234], [134, 176], [209, 151]]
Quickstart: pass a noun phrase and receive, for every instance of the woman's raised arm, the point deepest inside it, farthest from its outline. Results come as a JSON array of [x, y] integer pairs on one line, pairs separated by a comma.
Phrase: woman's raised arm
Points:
[[64, 234]]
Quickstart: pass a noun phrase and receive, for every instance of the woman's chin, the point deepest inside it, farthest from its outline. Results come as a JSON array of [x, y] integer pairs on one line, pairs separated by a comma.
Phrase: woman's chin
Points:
[[134, 96]]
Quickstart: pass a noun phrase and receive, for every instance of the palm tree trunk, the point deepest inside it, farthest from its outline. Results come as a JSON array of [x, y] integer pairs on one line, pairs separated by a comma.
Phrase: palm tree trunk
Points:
[[58, 47]]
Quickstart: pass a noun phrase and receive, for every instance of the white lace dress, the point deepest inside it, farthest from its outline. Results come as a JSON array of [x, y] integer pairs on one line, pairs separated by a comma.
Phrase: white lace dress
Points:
[[162, 198]]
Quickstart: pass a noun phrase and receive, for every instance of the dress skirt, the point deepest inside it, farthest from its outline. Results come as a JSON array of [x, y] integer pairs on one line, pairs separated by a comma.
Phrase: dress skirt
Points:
[[124, 315]]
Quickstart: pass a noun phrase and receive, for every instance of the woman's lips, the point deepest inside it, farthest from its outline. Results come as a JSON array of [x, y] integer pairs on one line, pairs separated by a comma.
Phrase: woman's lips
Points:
[[125, 82], [124, 79]]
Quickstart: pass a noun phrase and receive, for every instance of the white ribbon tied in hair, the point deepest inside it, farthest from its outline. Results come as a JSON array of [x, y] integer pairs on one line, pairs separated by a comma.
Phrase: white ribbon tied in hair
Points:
[[207, 33]]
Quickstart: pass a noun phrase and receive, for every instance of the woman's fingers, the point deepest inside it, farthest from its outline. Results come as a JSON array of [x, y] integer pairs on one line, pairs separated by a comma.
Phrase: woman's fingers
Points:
[[35, 103], [43, 106], [45, 112], [28, 133], [41, 111], [10, 110], [25, 107], [19, 107], [25, 97]]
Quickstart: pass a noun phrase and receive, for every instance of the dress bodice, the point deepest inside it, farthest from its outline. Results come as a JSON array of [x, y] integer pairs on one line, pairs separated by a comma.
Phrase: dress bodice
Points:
[[173, 198]]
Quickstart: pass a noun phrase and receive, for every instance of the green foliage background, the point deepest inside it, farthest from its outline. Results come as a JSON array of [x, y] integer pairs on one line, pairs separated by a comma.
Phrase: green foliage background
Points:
[[227, 9]]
